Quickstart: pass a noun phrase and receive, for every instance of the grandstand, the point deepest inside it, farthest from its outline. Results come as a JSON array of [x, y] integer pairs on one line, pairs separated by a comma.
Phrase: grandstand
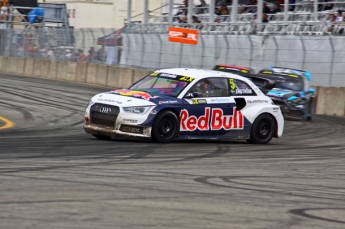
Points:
[[304, 17]]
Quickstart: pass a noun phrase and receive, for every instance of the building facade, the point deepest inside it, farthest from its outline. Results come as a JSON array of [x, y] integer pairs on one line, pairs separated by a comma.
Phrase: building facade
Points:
[[105, 13]]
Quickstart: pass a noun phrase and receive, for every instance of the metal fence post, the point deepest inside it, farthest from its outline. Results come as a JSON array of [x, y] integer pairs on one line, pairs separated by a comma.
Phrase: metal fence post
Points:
[[227, 49], [160, 50], [304, 51], [277, 50], [179, 61], [202, 51], [83, 39], [142, 50], [332, 61], [251, 51]]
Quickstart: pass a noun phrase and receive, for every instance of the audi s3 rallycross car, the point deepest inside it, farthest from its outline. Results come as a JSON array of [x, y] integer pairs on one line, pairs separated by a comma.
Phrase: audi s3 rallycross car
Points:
[[291, 92], [181, 103]]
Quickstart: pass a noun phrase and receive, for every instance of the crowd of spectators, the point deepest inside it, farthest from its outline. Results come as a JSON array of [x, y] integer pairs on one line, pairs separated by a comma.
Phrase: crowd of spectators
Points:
[[222, 10]]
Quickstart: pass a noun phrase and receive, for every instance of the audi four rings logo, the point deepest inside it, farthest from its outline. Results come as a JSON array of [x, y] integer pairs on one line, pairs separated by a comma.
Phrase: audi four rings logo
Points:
[[106, 110]]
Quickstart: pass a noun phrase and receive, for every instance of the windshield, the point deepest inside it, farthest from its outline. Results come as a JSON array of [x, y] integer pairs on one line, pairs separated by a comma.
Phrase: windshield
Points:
[[290, 84], [162, 84]]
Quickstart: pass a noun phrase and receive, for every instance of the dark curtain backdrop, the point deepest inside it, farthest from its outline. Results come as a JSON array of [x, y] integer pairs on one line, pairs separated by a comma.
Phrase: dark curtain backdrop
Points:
[[24, 3]]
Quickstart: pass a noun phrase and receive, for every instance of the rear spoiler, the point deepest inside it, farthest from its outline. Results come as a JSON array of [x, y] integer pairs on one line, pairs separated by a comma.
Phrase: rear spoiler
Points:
[[264, 84]]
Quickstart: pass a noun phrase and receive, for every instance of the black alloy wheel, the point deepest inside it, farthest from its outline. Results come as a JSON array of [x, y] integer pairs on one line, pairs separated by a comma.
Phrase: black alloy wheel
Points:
[[165, 127], [263, 129]]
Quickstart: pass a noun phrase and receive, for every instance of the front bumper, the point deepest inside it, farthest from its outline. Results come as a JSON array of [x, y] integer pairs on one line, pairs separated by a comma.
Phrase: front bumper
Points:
[[291, 112], [127, 132]]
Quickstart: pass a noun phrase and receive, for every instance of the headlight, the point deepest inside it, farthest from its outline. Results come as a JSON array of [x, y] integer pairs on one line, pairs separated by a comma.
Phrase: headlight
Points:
[[136, 110]]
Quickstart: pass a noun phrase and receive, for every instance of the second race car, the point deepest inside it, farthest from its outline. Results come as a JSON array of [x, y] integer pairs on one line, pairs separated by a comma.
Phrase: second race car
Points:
[[187, 103], [291, 92]]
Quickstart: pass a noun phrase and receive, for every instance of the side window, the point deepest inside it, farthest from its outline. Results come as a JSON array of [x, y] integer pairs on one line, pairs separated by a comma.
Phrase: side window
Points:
[[210, 87], [239, 87]]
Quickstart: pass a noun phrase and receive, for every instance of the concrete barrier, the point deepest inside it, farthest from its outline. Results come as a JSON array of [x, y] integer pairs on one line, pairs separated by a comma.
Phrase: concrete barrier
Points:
[[12, 64], [71, 71], [91, 73], [37, 64], [139, 74], [113, 77], [81, 72], [20, 67], [330, 101], [29, 66], [101, 75], [44, 68], [61, 72], [52, 69], [125, 77]]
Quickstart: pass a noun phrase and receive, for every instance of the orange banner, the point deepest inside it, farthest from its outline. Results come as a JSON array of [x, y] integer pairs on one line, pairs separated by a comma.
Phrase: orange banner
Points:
[[182, 35]]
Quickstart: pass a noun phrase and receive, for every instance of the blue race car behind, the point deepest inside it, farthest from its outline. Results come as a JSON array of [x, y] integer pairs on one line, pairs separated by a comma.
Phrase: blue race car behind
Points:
[[291, 92]]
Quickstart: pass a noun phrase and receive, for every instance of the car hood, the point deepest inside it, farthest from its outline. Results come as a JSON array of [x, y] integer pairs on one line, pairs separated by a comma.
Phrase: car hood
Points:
[[127, 97]]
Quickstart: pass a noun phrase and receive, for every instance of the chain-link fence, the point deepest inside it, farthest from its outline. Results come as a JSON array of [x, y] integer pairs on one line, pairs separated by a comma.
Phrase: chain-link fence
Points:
[[238, 44], [80, 45], [147, 46]]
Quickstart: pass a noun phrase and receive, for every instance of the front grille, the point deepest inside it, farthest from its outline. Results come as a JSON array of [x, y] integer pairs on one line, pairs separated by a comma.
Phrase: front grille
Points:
[[104, 115]]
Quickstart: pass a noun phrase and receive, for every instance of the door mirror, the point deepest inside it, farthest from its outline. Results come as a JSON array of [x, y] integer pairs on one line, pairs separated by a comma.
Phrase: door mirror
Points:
[[191, 95]]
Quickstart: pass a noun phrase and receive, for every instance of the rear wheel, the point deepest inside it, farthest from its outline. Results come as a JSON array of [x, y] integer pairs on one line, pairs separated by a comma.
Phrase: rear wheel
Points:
[[262, 130], [165, 127], [101, 137]]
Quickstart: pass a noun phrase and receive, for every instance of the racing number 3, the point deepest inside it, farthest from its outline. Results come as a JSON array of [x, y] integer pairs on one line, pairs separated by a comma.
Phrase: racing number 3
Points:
[[232, 85]]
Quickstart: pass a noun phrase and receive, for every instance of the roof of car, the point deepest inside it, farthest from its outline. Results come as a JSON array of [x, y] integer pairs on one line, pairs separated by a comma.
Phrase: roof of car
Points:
[[234, 66], [200, 73]]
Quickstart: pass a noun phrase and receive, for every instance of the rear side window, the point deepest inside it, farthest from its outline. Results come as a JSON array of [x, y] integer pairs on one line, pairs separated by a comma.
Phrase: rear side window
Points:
[[239, 87]]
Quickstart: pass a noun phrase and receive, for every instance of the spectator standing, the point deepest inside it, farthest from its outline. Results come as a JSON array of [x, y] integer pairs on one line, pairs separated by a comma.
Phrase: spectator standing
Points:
[[4, 10], [202, 8], [50, 54], [331, 21], [101, 54], [339, 17], [68, 55], [81, 56], [276, 8], [329, 5], [224, 12], [266, 9]]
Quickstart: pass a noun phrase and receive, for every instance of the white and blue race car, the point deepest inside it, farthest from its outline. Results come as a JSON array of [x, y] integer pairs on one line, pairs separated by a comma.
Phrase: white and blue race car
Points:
[[182, 103]]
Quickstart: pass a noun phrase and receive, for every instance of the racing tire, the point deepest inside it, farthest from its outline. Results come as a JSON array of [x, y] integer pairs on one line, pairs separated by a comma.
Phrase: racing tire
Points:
[[262, 130], [165, 127], [101, 137], [311, 107]]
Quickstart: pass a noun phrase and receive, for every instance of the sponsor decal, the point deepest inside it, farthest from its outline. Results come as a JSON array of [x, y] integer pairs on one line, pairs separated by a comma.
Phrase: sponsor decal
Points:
[[172, 76], [276, 109], [199, 101], [212, 120], [219, 100], [243, 91], [132, 129], [141, 94], [168, 102], [183, 35], [109, 100], [233, 85], [257, 101], [130, 120], [168, 75]]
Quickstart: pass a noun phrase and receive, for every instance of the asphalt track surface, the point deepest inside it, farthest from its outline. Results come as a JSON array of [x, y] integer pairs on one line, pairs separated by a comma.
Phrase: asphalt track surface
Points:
[[53, 175]]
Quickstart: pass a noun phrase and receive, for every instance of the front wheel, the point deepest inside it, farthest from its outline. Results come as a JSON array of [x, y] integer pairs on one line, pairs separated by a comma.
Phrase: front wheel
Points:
[[263, 129], [165, 127]]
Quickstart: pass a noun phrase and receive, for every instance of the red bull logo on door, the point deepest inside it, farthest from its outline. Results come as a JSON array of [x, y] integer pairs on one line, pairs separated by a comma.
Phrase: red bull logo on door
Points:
[[134, 93], [211, 120]]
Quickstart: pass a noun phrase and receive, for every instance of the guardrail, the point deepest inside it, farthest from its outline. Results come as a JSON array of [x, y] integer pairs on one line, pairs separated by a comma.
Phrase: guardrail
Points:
[[330, 100]]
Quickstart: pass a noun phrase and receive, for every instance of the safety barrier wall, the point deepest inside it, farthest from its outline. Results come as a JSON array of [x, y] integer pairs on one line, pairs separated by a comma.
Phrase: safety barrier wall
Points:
[[330, 100]]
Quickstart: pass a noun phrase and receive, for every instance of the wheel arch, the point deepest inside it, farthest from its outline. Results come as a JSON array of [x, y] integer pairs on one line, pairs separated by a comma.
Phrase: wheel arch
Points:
[[275, 122]]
